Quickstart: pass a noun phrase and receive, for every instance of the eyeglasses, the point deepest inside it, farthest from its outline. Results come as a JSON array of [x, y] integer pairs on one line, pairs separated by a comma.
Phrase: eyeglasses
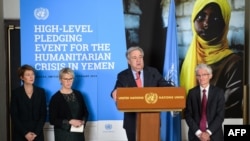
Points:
[[136, 58], [67, 79], [202, 75]]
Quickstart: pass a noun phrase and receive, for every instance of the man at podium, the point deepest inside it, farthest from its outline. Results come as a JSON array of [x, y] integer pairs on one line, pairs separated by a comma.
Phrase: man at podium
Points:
[[136, 75]]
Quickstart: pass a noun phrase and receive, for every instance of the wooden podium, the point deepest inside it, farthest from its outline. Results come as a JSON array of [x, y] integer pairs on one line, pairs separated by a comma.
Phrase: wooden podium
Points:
[[148, 102]]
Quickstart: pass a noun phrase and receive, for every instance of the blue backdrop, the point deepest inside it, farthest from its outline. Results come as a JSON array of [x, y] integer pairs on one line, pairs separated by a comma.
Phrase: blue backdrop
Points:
[[85, 35]]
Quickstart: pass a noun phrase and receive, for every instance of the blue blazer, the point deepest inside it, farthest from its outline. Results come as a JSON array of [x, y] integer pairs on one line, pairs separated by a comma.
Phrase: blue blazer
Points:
[[215, 112], [152, 78]]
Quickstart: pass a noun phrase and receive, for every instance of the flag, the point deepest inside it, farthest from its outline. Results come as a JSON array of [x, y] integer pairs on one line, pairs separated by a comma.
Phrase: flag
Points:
[[172, 120]]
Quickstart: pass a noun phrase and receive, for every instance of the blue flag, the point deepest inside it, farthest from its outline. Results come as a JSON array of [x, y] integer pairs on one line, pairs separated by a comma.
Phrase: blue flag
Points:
[[172, 120]]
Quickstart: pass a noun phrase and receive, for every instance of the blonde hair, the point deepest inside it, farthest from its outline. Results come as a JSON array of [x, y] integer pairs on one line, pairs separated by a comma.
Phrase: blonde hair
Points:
[[66, 71]]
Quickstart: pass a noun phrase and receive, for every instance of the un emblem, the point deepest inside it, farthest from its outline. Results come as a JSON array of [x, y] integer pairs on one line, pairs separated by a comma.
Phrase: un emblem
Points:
[[151, 98], [41, 13], [108, 126]]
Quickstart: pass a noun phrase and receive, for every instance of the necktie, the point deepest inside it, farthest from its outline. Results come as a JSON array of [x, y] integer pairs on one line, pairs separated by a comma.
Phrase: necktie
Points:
[[138, 79], [203, 110]]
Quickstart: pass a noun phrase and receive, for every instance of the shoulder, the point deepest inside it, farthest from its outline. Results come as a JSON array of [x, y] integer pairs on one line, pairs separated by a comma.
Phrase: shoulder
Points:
[[149, 68], [125, 72], [194, 90], [40, 89], [215, 88], [234, 57], [77, 92], [56, 95], [230, 61], [18, 89]]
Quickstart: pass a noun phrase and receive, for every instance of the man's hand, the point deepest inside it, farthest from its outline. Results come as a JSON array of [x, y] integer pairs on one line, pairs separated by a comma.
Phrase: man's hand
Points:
[[30, 136], [205, 136], [114, 95]]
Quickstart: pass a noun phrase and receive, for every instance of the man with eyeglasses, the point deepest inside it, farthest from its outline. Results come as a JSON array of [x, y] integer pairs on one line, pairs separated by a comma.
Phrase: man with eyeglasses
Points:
[[205, 108]]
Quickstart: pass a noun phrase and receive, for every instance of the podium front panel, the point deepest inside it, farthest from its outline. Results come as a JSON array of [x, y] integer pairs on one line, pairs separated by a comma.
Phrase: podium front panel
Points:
[[148, 99]]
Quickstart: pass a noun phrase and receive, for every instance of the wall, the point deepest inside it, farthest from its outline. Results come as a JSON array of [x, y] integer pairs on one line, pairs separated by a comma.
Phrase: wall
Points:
[[3, 118], [11, 9]]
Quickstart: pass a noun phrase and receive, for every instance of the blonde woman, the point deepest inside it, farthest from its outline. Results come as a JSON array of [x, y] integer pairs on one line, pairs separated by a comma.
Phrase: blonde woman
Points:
[[67, 110]]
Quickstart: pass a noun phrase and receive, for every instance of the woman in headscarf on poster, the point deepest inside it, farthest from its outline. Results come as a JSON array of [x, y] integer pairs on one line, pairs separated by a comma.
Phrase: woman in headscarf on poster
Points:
[[210, 25]]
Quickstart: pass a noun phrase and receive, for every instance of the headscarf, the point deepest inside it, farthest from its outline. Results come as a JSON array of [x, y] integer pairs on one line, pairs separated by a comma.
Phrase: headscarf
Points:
[[199, 50]]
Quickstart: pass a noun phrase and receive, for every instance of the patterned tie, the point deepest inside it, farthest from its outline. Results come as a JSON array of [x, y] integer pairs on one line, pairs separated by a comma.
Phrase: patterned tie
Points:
[[138, 79], [203, 110]]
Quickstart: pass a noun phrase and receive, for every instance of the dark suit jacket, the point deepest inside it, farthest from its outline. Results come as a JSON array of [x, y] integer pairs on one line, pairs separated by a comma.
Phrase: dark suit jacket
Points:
[[152, 78], [28, 114], [215, 112]]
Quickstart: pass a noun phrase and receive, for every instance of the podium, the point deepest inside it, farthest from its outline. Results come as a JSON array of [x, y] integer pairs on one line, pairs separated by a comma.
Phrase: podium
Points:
[[148, 102]]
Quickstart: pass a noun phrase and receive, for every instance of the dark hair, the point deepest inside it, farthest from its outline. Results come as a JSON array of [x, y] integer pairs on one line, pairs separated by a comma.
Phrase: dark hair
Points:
[[23, 68]]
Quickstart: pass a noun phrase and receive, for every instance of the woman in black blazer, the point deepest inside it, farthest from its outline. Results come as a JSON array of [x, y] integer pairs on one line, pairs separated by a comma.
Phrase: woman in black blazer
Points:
[[68, 110], [28, 108]]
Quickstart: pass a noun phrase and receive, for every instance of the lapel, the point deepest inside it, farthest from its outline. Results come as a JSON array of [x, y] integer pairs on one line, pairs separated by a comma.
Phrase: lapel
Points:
[[198, 97], [210, 95], [130, 78]]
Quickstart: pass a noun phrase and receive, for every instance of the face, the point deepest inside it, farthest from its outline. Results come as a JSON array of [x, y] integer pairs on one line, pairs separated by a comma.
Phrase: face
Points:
[[67, 81], [203, 77], [136, 60], [28, 77], [209, 23]]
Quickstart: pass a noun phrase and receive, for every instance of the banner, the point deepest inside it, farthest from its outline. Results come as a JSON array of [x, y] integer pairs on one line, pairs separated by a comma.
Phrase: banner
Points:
[[89, 37]]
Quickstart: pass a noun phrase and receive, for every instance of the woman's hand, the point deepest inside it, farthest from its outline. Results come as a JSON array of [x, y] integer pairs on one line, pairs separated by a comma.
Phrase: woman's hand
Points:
[[76, 122]]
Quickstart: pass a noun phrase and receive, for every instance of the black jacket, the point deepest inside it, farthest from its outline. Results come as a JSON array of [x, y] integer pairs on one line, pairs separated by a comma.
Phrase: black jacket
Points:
[[59, 110], [28, 115]]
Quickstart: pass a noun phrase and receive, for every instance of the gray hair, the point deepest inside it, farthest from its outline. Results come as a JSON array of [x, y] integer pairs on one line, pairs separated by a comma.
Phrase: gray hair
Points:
[[66, 71], [204, 66], [133, 48]]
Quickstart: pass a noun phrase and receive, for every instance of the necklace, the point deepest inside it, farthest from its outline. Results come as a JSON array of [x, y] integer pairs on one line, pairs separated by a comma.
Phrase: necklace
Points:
[[66, 91]]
